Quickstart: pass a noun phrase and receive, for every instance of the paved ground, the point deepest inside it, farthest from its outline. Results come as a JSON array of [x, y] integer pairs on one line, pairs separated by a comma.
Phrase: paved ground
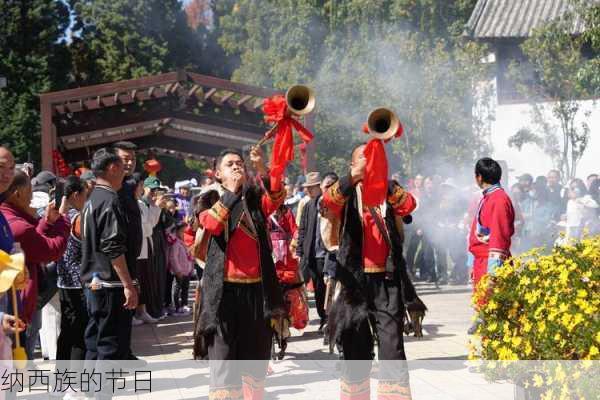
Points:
[[445, 328], [438, 369]]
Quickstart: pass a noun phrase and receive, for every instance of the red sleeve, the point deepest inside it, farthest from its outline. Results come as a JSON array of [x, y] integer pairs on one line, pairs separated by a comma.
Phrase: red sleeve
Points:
[[213, 220], [401, 201], [271, 201], [501, 228], [45, 242]]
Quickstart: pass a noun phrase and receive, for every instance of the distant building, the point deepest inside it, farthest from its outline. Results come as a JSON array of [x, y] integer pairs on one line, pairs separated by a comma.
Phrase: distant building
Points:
[[504, 25]]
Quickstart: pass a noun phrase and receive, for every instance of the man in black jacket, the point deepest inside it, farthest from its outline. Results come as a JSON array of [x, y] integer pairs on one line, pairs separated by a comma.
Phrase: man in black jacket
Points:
[[133, 217], [311, 251], [105, 273]]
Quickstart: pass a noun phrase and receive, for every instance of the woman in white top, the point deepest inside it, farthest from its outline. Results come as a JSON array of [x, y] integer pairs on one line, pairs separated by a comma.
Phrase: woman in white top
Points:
[[150, 215]]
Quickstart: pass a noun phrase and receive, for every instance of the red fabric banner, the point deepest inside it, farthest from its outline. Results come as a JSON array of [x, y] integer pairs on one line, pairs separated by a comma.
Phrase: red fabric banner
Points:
[[276, 112], [375, 180]]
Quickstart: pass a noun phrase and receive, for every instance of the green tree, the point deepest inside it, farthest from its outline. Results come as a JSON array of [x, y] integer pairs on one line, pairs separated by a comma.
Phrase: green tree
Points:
[[122, 39], [34, 59], [361, 54], [562, 75]]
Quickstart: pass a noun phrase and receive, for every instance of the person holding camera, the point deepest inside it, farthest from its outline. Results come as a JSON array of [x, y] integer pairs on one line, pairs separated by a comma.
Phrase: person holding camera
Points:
[[42, 240], [73, 312]]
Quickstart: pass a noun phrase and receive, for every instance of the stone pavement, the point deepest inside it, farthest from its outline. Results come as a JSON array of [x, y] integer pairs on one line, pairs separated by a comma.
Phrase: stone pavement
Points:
[[444, 327], [437, 364]]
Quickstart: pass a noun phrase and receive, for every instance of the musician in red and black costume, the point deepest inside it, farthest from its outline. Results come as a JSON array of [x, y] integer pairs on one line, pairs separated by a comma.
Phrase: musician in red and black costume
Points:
[[493, 225], [375, 283], [240, 291]]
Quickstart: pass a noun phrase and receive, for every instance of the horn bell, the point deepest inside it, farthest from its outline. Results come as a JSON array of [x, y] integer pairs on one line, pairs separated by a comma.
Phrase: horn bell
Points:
[[383, 123], [300, 100]]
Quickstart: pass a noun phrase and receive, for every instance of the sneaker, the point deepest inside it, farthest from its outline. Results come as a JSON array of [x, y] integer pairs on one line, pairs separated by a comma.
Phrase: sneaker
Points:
[[187, 309], [136, 322]]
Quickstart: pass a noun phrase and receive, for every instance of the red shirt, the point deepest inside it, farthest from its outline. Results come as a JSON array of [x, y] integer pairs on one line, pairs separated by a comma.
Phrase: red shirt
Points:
[[375, 248], [496, 216], [242, 259]]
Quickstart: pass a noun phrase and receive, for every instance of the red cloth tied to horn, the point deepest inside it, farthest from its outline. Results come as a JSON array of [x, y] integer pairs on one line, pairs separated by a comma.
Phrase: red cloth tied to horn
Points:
[[375, 180], [276, 112]]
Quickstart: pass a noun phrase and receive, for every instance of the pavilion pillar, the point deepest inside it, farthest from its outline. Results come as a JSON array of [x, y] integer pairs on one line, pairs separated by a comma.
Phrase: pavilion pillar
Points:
[[48, 134]]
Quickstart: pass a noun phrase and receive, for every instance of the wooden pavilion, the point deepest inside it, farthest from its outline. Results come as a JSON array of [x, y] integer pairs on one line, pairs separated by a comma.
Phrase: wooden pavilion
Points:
[[180, 114]]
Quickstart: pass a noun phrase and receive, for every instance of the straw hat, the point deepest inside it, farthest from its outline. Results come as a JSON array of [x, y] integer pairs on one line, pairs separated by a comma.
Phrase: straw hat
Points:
[[12, 271]]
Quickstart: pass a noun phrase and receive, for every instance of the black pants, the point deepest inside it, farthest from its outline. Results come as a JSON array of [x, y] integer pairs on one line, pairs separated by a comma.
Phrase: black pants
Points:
[[243, 334], [180, 291], [421, 255], [316, 274], [73, 322], [386, 321], [108, 332], [169, 289]]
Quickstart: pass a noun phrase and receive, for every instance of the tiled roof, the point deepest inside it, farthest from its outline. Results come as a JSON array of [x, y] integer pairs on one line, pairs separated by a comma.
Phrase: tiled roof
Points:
[[515, 18]]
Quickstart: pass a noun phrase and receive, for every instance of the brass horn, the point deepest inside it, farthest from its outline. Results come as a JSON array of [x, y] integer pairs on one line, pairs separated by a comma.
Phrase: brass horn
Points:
[[300, 100], [383, 123]]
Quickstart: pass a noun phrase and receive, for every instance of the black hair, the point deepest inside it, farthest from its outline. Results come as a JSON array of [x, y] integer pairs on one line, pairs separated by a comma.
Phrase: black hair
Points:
[[72, 184], [592, 175], [579, 186], [124, 145], [102, 159], [332, 176], [489, 170], [225, 152]]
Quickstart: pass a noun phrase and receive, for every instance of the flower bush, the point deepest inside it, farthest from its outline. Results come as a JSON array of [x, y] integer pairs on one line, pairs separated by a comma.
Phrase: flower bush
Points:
[[542, 307]]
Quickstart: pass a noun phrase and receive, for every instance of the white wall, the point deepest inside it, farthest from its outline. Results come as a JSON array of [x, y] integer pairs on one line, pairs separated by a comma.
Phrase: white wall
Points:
[[531, 159]]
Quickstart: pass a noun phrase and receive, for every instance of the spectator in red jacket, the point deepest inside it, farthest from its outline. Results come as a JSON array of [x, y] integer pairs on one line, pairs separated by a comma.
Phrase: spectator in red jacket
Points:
[[42, 240]]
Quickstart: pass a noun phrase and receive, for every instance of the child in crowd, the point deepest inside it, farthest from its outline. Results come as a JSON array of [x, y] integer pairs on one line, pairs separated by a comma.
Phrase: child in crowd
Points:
[[181, 265]]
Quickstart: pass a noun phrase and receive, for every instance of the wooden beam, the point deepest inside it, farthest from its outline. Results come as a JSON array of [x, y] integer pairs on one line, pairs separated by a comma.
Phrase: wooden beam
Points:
[[133, 94], [150, 91], [110, 88], [116, 98], [216, 133], [253, 106], [193, 90], [227, 97], [193, 137], [210, 93], [110, 135], [211, 81], [243, 100]]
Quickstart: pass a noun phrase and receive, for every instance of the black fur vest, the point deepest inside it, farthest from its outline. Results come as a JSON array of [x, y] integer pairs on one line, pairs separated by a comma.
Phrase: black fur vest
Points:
[[350, 309], [212, 280]]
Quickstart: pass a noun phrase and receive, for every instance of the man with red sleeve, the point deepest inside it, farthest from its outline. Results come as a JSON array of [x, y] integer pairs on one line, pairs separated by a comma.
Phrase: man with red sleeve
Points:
[[375, 283], [493, 224], [240, 291]]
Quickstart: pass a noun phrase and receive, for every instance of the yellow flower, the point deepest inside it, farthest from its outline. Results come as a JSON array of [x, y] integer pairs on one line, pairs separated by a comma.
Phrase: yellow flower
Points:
[[593, 351], [564, 276], [598, 337], [538, 381], [563, 307], [541, 326], [528, 348], [492, 327], [582, 293], [566, 318], [492, 305], [526, 326]]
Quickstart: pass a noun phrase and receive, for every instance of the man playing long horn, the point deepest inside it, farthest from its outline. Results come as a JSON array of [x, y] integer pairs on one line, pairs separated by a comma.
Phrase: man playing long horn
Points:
[[373, 273], [240, 291]]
